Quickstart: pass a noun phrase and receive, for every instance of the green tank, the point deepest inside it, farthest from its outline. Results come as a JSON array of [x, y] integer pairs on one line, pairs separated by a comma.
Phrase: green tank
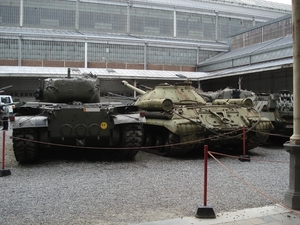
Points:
[[179, 120], [68, 114]]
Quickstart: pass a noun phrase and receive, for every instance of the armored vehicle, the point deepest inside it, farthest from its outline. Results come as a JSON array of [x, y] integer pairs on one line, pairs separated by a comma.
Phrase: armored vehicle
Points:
[[178, 120], [68, 114], [277, 107]]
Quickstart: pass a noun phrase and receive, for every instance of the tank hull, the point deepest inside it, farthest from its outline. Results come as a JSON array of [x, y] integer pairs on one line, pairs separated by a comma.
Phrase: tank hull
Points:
[[192, 122]]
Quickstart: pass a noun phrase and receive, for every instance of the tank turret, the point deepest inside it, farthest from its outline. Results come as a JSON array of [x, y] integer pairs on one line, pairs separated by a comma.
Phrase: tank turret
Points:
[[178, 120], [180, 93], [84, 88]]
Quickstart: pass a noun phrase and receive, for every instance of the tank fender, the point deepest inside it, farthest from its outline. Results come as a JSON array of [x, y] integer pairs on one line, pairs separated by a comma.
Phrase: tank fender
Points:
[[129, 118], [29, 122]]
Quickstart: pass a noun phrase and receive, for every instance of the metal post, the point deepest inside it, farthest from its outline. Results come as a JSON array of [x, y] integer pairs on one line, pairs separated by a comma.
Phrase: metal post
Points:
[[205, 175], [244, 140], [3, 171], [205, 211], [244, 157]]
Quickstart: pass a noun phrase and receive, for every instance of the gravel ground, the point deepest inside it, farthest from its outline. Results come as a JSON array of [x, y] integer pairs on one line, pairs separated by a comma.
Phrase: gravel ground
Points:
[[149, 188]]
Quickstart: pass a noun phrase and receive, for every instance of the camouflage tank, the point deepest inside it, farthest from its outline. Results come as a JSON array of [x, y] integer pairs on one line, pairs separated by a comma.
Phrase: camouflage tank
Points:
[[68, 113], [277, 107], [177, 114]]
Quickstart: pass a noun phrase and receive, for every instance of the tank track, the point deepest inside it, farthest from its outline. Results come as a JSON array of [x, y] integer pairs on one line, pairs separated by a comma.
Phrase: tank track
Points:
[[25, 151], [165, 144]]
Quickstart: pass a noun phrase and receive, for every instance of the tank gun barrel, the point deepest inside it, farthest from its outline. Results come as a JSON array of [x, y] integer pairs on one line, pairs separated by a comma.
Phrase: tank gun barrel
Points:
[[121, 96], [133, 87]]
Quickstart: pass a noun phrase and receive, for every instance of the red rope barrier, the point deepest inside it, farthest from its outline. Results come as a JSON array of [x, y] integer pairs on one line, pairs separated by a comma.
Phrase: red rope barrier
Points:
[[244, 140], [3, 150]]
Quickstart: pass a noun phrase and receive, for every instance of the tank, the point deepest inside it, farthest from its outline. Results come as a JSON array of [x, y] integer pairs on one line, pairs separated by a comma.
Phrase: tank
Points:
[[68, 114], [277, 107], [179, 120]]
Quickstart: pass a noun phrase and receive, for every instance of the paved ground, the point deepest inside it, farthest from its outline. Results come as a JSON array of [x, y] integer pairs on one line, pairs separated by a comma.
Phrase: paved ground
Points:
[[271, 215]]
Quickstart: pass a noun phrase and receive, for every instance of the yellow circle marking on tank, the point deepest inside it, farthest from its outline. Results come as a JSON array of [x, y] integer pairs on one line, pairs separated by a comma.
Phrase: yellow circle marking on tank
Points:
[[103, 125]]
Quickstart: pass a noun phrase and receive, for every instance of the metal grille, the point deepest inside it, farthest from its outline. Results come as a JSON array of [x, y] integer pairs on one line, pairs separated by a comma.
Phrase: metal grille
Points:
[[10, 13], [229, 26], [205, 54], [253, 37], [100, 17], [50, 14], [209, 27], [52, 50], [98, 52], [171, 56], [274, 30], [8, 48], [151, 22], [270, 31]]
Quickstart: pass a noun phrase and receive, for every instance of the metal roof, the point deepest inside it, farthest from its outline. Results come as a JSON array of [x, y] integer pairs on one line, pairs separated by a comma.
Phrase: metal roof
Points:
[[107, 74], [264, 47], [116, 74], [256, 8], [255, 68], [69, 35]]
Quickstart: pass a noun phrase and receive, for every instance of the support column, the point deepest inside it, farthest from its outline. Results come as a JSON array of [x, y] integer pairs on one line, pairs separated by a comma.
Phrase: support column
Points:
[[145, 55], [21, 13], [85, 54], [77, 16], [292, 197], [217, 25], [175, 22], [128, 17], [20, 50]]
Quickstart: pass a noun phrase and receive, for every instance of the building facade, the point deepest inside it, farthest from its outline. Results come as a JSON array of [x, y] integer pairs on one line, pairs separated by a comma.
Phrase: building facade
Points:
[[154, 35]]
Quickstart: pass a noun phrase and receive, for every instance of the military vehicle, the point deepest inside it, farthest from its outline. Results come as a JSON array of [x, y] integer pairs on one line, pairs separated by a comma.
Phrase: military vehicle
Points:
[[179, 120], [67, 114], [277, 107]]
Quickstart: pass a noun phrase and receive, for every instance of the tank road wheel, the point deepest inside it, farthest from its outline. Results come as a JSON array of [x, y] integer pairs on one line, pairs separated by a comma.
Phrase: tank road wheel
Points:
[[159, 141], [168, 149], [173, 150], [25, 151], [149, 140], [132, 136]]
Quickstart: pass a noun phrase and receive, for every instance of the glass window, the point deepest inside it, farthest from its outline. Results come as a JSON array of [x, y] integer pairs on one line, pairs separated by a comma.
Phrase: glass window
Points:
[[152, 22], [49, 14]]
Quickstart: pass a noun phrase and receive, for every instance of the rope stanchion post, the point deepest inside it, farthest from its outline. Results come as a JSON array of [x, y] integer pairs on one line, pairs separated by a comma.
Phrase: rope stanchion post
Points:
[[4, 172], [205, 211], [244, 157]]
